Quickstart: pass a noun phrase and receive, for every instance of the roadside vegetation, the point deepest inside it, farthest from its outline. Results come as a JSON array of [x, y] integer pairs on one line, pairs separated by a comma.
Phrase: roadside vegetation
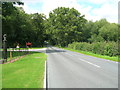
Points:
[[113, 58], [106, 50], [13, 53], [27, 72], [102, 48], [16, 54], [65, 27]]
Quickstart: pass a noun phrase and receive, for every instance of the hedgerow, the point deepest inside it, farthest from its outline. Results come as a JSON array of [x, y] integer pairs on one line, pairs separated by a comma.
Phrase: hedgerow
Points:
[[102, 48]]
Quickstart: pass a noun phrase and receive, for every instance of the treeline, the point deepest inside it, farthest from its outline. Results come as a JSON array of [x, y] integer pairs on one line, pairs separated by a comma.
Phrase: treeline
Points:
[[21, 27], [67, 25], [64, 26]]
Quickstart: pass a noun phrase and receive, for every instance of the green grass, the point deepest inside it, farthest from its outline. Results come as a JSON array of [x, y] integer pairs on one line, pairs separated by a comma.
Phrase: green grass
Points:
[[95, 55], [27, 72], [0, 76]]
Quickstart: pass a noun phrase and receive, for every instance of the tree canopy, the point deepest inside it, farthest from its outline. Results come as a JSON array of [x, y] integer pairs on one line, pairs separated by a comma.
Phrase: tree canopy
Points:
[[21, 27], [64, 26]]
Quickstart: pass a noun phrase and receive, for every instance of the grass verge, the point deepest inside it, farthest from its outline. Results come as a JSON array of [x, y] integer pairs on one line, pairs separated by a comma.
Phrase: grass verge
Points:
[[0, 76], [95, 55], [27, 72]]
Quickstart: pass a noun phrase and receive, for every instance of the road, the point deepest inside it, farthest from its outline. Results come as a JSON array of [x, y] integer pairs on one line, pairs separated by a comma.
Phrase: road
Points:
[[67, 69]]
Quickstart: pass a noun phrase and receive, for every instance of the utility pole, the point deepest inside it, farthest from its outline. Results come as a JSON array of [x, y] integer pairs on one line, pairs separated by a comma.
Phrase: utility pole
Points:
[[4, 48]]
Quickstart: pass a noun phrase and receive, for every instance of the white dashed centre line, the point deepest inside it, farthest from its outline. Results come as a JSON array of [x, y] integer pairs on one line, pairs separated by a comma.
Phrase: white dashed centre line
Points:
[[90, 63]]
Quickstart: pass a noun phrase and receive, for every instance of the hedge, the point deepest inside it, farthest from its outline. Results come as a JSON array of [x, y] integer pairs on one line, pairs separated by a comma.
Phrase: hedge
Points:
[[102, 48]]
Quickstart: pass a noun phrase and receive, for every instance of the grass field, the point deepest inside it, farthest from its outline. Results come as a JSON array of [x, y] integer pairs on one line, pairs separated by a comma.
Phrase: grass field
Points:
[[27, 72], [95, 55]]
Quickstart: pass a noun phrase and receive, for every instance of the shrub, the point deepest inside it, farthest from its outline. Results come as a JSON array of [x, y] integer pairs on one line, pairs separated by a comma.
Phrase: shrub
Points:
[[103, 48]]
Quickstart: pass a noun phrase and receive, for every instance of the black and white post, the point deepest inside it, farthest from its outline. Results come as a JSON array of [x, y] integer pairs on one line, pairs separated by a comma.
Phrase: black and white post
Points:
[[4, 48]]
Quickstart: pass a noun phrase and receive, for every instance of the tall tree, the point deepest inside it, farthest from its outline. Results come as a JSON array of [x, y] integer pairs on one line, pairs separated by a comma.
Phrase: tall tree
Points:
[[65, 25], [38, 22], [9, 15]]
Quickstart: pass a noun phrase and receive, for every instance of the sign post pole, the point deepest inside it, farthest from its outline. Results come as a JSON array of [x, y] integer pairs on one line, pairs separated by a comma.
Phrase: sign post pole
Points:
[[4, 48]]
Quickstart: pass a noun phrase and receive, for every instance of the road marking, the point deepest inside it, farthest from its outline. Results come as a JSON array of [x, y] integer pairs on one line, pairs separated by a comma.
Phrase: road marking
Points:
[[85, 61], [111, 61], [45, 76], [69, 54], [90, 63], [78, 54]]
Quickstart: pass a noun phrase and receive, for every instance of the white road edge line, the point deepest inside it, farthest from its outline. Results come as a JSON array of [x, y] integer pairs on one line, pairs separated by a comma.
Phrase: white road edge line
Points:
[[90, 63], [92, 56], [45, 76], [45, 71]]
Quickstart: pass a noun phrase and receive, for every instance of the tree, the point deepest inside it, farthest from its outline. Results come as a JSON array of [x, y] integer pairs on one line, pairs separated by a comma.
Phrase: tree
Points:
[[102, 30], [38, 22], [109, 32], [65, 25], [87, 31], [9, 13], [21, 27]]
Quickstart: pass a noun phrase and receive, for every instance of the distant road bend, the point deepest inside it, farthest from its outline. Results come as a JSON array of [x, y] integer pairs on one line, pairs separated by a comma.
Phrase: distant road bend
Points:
[[67, 69]]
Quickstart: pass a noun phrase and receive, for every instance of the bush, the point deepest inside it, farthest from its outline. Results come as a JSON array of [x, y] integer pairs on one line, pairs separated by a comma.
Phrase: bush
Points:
[[103, 48]]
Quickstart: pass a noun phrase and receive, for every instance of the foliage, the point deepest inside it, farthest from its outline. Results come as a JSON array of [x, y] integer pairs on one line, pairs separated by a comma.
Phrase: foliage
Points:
[[21, 27], [38, 25], [102, 48], [113, 58], [101, 30], [65, 25]]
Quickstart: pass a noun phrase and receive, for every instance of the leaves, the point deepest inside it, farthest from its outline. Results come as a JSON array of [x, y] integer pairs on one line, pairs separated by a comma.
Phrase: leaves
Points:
[[103, 48], [65, 25], [21, 27]]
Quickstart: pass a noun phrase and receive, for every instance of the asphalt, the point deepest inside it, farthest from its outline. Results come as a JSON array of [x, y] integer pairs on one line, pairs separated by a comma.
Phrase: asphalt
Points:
[[67, 69]]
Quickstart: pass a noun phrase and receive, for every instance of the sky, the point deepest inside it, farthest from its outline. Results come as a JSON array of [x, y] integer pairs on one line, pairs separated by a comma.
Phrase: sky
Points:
[[92, 9]]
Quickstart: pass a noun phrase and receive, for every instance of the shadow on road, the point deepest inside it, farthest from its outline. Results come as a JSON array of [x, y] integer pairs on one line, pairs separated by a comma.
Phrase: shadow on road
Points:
[[55, 51]]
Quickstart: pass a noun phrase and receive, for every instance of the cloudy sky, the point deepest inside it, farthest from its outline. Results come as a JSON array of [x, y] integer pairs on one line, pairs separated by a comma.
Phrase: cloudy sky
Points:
[[92, 9]]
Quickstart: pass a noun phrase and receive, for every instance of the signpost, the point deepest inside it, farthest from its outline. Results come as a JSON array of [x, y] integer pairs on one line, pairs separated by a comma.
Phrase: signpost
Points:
[[4, 48]]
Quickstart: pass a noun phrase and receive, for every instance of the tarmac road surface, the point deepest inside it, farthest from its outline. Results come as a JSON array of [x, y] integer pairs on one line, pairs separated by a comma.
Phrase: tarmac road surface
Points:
[[67, 69]]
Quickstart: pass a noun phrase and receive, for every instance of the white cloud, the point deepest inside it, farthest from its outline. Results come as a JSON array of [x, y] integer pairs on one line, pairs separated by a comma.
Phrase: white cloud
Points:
[[103, 1], [32, 1], [98, 1], [107, 10], [51, 5]]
